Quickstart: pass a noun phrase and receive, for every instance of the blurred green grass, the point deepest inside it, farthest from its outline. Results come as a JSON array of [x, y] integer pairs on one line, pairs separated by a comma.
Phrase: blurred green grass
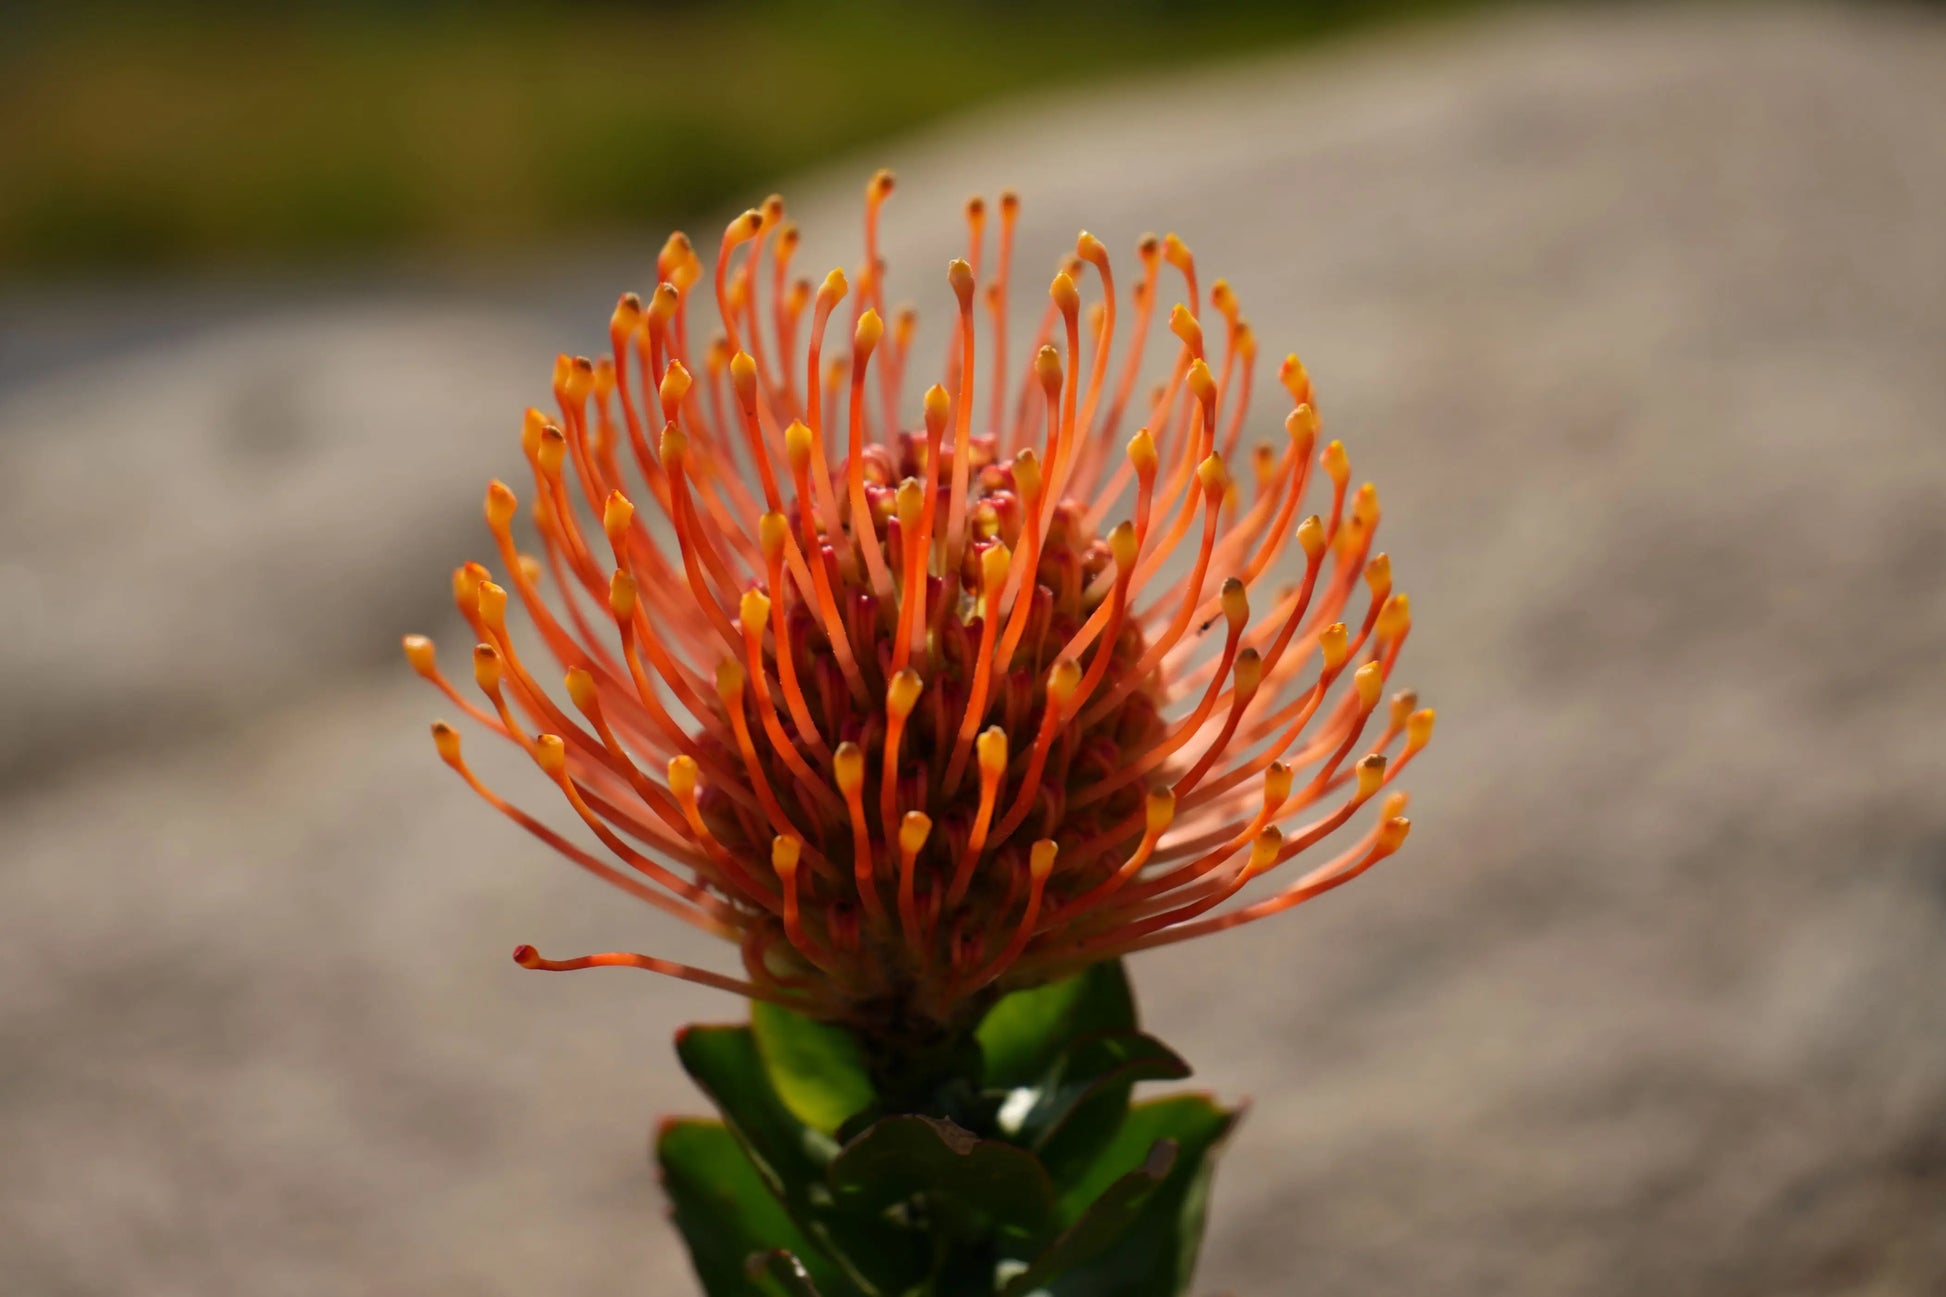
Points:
[[172, 136]]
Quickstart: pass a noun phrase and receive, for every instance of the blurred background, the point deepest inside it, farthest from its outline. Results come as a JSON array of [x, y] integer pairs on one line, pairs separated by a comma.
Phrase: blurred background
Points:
[[1636, 314]]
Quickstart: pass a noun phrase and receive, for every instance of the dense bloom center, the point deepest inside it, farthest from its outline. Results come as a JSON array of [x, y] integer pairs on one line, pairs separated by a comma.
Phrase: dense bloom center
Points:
[[914, 712]]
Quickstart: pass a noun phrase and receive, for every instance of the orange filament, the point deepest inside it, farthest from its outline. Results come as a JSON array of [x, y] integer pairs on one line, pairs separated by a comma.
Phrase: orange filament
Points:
[[528, 957], [551, 754], [1060, 445], [1161, 813], [1026, 560], [785, 853], [1062, 683], [993, 767], [742, 229], [754, 614], [997, 303], [994, 564], [863, 530], [960, 276], [912, 834], [1040, 867], [1149, 251], [447, 740], [1386, 840], [877, 190], [683, 772], [730, 681], [829, 295], [900, 698], [775, 532], [912, 580], [586, 696], [975, 227], [848, 765], [931, 599]]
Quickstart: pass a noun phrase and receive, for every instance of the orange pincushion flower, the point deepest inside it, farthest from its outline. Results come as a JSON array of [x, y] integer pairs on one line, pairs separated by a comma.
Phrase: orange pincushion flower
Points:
[[904, 716]]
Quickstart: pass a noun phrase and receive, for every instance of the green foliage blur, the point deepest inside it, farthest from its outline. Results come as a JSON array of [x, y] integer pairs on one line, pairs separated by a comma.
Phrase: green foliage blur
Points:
[[173, 135]]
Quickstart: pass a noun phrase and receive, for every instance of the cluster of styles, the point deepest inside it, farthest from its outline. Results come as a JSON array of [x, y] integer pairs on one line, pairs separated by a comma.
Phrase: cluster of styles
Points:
[[921, 713]]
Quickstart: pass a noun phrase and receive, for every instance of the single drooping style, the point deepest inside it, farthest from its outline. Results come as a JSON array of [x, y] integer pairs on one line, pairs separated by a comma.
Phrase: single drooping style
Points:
[[918, 702]]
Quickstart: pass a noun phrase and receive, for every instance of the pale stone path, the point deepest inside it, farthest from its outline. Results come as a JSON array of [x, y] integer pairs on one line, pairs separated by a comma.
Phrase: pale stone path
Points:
[[1639, 322]]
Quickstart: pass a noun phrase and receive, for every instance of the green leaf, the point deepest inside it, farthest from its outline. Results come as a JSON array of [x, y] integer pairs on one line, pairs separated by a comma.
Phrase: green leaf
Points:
[[816, 1069], [723, 1209], [791, 1158], [725, 1062], [1095, 1072], [1156, 1253], [902, 1158], [780, 1274], [1025, 1032], [1104, 1222]]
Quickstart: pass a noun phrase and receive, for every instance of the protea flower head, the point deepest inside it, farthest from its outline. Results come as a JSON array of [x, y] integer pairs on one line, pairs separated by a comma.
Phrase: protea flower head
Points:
[[917, 712]]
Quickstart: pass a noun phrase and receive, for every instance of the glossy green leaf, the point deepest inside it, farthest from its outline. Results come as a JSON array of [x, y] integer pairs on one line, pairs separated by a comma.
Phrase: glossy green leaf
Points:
[[816, 1069], [1025, 1032], [902, 1158], [791, 1159], [722, 1207], [1096, 1070], [1102, 1225], [780, 1274], [725, 1062], [1155, 1255]]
